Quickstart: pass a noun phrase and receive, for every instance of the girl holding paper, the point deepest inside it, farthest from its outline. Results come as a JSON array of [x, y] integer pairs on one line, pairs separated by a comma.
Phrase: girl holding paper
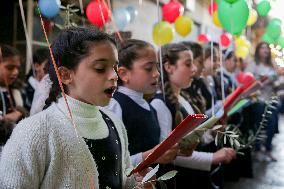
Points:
[[178, 71]]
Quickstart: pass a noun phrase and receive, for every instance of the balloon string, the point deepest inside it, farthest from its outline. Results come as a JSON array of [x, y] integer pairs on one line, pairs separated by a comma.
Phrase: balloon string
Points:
[[62, 89], [114, 25], [211, 84], [222, 73]]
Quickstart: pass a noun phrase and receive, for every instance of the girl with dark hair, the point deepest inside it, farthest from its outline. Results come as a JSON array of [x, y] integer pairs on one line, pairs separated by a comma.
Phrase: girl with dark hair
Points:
[[228, 69], [179, 71], [11, 101], [45, 151], [36, 75], [138, 75], [195, 88], [261, 68]]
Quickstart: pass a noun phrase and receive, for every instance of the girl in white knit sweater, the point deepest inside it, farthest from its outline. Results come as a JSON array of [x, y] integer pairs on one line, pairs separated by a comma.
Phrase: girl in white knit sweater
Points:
[[45, 151]]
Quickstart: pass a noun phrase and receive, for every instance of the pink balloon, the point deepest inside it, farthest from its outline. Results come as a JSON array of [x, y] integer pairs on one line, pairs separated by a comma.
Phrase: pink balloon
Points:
[[202, 38], [212, 7], [225, 39], [98, 13], [172, 10]]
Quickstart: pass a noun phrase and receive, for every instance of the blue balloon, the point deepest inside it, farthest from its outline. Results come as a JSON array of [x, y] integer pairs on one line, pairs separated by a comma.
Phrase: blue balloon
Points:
[[132, 11], [49, 8], [121, 17]]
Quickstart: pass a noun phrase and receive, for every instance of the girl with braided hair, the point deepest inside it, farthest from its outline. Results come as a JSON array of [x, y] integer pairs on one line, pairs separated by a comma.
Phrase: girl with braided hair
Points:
[[179, 71]]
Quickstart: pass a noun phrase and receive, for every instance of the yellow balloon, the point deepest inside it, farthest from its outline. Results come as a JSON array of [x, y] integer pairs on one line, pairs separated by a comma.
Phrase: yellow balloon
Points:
[[163, 33], [216, 20], [242, 41], [242, 52], [252, 17], [183, 25]]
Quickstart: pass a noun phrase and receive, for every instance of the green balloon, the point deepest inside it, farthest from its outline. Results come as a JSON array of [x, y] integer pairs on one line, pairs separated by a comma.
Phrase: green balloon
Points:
[[217, 1], [231, 1], [280, 41], [263, 7], [233, 17], [273, 30], [276, 21], [266, 38]]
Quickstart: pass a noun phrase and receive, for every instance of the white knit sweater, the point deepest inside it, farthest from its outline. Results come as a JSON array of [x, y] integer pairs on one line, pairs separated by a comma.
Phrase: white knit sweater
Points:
[[44, 151]]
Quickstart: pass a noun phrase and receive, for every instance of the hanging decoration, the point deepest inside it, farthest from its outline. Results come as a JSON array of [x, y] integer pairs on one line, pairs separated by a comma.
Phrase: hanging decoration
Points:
[[183, 25], [216, 20], [252, 17], [133, 12], [172, 10], [263, 8], [225, 39], [49, 8], [121, 17], [212, 7], [202, 38], [98, 13], [233, 17], [163, 33]]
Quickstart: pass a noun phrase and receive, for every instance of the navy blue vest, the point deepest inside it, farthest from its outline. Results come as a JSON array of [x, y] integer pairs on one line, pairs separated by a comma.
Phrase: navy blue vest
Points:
[[142, 126], [172, 108], [107, 155]]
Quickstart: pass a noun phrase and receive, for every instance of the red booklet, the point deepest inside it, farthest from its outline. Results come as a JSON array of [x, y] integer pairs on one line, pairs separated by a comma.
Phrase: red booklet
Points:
[[187, 125]]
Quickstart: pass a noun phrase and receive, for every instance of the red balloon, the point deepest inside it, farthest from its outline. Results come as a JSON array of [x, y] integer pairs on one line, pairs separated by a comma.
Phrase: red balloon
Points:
[[245, 78], [225, 39], [212, 7], [98, 13], [202, 38], [172, 10]]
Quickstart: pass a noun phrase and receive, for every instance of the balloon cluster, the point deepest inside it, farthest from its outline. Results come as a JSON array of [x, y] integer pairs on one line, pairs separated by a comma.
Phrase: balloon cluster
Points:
[[98, 14], [163, 31]]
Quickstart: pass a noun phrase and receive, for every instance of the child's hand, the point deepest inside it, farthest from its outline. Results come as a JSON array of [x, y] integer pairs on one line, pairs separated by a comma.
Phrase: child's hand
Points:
[[13, 116], [188, 151], [139, 177], [169, 155], [224, 155]]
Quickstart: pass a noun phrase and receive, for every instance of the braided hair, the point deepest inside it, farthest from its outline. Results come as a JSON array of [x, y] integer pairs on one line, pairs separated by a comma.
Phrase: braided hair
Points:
[[170, 55]]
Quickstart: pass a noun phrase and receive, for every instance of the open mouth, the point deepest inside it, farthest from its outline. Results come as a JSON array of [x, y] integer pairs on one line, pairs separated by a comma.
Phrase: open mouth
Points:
[[110, 91], [155, 83]]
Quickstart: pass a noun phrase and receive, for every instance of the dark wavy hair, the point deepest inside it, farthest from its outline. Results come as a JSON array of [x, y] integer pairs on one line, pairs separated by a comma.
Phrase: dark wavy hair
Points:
[[257, 54]]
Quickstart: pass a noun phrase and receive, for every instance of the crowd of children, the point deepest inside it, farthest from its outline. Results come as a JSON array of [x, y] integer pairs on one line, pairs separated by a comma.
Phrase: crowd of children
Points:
[[119, 102]]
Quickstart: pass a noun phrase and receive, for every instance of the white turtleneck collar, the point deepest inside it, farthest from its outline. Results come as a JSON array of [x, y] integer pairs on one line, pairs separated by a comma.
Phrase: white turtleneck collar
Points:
[[88, 119], [135, 96]]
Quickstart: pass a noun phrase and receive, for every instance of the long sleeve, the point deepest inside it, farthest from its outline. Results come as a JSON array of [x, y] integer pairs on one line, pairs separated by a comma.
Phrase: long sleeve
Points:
[[198, 160], [23, 159], [164, 118], [40, 95]]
